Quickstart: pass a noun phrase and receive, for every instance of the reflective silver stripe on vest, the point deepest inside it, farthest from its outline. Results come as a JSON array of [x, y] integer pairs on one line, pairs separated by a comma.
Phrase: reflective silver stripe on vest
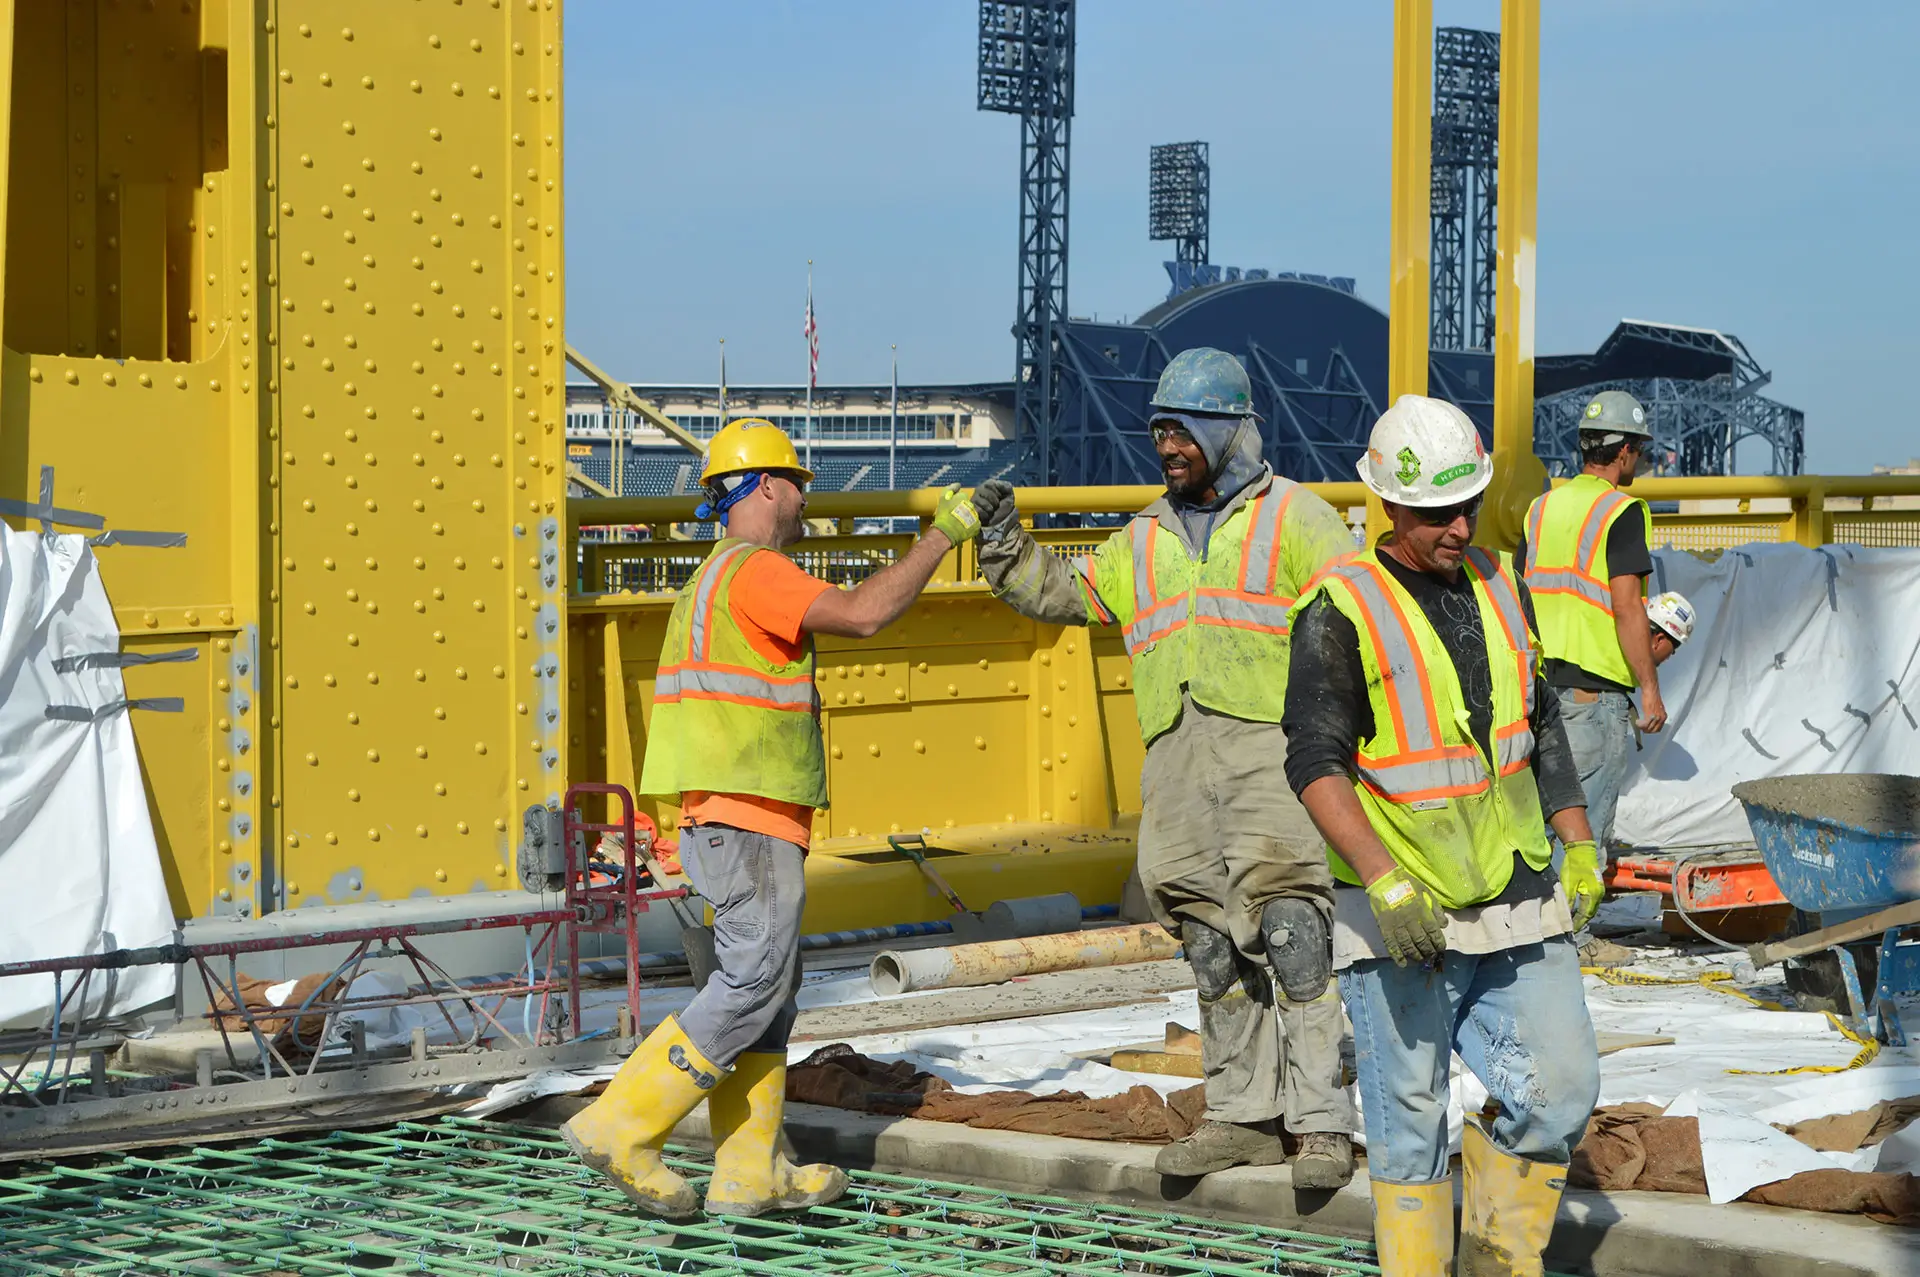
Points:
[[730, 683], [1403, 663], [1461, 773], [1506, 601], [1513, 752], [1141, 632], [1268, 612], [1536, 518], [1569, 582], [1596, 526], [1256, 578], [1138, 533], [710, 574]]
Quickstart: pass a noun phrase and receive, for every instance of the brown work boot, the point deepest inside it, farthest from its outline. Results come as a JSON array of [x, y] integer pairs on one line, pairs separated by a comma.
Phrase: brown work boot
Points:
[[1325, 1160], [1214, 1146]]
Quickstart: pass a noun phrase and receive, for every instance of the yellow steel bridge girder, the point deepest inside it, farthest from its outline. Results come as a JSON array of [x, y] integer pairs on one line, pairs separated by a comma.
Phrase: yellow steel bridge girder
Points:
[[297, 294]]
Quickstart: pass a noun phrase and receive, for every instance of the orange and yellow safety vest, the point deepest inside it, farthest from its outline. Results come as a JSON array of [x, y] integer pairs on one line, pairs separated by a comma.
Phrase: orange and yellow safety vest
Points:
[[1449, 814], [725, 719], [1216, 624], [1568, 574]]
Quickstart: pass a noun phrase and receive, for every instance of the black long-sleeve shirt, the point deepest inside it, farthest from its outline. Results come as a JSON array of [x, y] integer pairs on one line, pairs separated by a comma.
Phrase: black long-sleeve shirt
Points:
[[1328, 713]]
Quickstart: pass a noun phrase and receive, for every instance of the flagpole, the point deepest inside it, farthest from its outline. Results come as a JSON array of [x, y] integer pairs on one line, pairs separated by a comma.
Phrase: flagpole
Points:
[[810, 363], [893, 424], [723, 386]]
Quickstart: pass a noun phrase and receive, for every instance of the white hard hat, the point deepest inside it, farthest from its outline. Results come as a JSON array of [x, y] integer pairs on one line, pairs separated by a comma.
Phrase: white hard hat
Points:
[[1425, 452], [1673, 614]]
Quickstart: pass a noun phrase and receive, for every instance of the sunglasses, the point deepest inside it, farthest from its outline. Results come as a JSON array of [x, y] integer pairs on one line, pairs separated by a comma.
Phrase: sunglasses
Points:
[[1163, 431], [1439, 516]]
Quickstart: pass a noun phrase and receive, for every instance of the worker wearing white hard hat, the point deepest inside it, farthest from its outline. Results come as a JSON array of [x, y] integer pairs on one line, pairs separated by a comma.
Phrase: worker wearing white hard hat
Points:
[[1429, 754], [1586, 559], [1669, 622]]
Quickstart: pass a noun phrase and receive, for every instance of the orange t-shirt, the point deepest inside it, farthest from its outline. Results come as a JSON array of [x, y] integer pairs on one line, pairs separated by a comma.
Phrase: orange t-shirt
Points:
[[768, 600]]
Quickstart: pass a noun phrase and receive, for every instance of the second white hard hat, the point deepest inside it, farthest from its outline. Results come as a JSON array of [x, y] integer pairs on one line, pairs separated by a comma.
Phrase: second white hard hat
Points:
[[1672, 613], [1425, 452]]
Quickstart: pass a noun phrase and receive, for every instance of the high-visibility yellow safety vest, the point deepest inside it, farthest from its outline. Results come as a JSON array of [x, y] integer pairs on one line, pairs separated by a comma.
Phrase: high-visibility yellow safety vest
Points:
[[725, 719], [1451, 816], [1567, 573], [1217, 624]]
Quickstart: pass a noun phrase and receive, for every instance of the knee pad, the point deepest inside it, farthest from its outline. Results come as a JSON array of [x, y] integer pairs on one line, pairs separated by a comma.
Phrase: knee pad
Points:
[[1299, 947], [1215, 961]]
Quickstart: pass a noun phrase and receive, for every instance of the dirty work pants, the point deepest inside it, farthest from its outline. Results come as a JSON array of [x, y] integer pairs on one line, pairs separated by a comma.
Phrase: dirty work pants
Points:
[[1600, 733], [757, 886], [1221, 834], [1518, 1018]]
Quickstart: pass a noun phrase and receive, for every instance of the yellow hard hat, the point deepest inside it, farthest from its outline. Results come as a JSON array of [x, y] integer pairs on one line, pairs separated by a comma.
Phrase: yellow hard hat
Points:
[[748, 445]]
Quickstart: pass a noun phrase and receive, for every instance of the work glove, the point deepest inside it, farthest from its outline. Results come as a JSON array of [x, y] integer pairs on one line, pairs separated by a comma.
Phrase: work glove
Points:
[[956, 517], [1408, 922], [998, 514], [1580, 875]]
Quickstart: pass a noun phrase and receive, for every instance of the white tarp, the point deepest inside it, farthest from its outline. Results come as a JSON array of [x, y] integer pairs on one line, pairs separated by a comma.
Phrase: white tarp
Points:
[[77, 852], [1801, 661]]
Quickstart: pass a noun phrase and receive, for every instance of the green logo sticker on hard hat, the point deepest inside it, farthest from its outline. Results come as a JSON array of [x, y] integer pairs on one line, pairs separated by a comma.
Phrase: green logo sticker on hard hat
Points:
[[1409, 466], [1594, 409], [1451, 473]]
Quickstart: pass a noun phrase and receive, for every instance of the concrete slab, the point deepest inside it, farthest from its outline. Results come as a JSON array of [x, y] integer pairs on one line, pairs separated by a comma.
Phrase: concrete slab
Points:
[[178, 1050], [1602, 1234]]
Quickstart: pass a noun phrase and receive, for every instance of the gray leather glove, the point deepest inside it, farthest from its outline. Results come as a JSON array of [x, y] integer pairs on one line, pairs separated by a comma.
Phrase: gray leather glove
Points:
[[993, 501]]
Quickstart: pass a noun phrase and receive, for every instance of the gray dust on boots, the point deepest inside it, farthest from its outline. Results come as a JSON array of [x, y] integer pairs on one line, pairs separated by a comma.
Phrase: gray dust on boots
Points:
[[1215, 1146], [1325, 1161]]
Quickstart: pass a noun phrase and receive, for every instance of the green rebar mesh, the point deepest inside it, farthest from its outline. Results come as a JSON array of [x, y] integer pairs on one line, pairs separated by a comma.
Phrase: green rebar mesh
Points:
[[455, 1196]]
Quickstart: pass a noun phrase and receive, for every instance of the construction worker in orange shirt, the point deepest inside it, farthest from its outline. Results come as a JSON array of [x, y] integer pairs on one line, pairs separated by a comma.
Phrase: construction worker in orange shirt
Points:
[[735, 737]]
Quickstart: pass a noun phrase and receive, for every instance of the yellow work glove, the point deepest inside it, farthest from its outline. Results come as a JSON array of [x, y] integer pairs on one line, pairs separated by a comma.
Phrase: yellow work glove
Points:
[[1580, 875], [1412, 929], [956, 517]]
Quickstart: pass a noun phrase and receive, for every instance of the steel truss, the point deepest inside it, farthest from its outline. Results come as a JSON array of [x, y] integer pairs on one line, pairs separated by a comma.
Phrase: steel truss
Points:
[[1313, 425], [1466, 120], [1698, 424], [1026, 69]]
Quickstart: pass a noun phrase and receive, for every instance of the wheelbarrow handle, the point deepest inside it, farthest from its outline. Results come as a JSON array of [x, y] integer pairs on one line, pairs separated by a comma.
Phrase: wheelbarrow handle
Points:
[[913, 847], [1874, 924]]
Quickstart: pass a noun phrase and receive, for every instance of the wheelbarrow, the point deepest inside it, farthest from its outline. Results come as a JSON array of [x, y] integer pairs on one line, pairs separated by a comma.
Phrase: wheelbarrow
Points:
[[1847, 850]]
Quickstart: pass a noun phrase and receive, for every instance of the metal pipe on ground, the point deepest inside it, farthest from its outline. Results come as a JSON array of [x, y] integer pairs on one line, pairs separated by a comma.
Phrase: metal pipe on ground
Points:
[[997, 961]]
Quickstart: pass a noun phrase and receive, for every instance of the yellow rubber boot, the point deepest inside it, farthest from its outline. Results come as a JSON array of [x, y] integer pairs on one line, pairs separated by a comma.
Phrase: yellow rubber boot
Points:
[[1413, 1228], [621, 1134], [1507, 1216], [751, 1174]]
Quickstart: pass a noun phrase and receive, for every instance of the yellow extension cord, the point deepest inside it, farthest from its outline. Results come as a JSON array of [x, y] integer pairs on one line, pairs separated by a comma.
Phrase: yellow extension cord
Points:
[[1719, 982]]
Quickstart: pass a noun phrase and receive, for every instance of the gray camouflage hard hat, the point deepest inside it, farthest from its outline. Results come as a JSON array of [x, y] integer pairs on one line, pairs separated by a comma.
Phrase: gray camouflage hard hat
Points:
[[1205, 380], [1615, 412]]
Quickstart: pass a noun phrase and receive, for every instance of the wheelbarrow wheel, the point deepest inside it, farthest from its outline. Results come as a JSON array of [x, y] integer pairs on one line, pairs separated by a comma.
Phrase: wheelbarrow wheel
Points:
[[1817, 984], [702, 961]]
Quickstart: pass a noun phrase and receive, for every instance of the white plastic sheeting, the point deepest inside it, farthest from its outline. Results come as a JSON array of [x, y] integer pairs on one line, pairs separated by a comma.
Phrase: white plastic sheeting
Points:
[[77, 851], [1801, 661]]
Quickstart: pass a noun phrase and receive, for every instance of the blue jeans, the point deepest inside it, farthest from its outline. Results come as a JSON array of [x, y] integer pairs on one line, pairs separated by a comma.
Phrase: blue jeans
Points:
[[1518, 1017], [1600, 733]]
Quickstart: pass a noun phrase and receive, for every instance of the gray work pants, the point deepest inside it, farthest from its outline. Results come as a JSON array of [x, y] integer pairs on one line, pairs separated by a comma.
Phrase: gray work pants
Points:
[[1221, 835], [757, 886]]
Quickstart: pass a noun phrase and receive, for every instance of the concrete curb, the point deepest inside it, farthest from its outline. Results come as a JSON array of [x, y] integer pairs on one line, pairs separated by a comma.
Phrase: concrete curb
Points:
[[1602, 1234]]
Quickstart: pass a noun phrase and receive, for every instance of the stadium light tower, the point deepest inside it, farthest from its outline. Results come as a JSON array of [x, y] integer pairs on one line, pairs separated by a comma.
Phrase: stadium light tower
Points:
[[1466, 129], [1178, 185], [1026, 69]]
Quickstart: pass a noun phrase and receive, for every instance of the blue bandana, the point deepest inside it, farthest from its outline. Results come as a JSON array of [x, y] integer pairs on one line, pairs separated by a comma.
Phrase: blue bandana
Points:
[[742, 485]]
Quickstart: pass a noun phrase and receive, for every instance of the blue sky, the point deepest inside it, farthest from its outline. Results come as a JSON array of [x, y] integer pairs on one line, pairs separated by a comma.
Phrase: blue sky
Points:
[[1748, 165]]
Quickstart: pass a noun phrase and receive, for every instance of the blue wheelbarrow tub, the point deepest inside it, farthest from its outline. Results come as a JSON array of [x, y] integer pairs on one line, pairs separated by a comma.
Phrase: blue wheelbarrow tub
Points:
[[1838, 843]]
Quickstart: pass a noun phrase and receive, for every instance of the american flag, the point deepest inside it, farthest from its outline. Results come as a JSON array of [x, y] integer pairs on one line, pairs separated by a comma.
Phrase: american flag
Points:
[[811, 331]]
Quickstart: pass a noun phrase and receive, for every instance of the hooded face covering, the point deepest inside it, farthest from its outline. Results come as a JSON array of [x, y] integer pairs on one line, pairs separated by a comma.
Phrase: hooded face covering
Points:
[[1231, 446]]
